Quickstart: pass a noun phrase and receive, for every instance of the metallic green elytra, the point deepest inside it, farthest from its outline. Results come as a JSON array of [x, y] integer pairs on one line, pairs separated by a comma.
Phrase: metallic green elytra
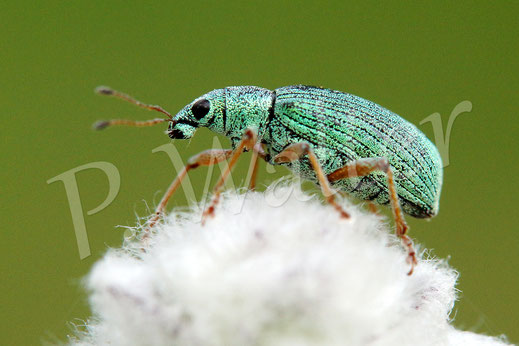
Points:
[[339, 127]]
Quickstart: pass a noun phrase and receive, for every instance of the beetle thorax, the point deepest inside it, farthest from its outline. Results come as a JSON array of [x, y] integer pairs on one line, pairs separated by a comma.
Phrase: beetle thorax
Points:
[[245, 107]]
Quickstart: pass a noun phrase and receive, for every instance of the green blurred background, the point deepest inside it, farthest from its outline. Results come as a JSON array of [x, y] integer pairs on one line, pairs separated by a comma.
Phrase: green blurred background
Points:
[[413, 59]]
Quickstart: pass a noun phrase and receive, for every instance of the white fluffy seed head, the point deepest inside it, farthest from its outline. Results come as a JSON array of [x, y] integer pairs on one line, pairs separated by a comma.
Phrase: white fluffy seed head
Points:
[[270, 271]]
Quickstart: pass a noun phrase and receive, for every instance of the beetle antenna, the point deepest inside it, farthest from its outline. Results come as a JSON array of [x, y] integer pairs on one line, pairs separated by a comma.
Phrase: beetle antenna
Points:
[[104, 90]]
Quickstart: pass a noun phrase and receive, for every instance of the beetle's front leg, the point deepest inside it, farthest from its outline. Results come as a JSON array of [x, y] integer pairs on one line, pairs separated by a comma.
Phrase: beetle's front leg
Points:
[[205, 158], [248, 141], [297, 150], [363, 167]]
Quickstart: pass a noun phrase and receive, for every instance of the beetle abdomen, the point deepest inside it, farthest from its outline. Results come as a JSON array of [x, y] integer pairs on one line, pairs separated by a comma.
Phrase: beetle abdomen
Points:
[[342, 127]]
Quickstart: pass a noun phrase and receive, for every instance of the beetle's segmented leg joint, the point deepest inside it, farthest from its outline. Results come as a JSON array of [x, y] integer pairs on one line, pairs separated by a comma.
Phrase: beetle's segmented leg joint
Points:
[[248, 134]]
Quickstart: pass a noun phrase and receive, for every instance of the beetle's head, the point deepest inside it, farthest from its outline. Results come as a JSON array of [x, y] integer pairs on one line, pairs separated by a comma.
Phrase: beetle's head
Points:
[[207, 110]]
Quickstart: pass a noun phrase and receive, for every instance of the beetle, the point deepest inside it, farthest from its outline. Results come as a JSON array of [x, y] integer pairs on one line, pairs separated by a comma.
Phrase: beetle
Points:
[[338, 140]]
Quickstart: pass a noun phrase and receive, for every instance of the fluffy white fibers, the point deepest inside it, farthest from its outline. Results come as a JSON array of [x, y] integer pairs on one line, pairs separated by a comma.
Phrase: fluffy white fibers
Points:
[[271, 271]]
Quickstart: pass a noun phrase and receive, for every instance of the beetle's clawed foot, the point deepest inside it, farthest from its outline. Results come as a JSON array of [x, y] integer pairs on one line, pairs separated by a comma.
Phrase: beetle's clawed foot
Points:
[[147, 231], [333, 202], [412, 261], [344, 214], [209, 212]]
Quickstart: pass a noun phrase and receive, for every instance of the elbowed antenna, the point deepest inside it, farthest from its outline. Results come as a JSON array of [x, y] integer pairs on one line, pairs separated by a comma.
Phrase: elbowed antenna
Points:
[[104, 90]]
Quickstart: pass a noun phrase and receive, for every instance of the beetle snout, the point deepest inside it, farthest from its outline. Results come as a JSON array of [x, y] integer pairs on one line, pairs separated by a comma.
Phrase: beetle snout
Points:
[[176, 134], [180, 130]]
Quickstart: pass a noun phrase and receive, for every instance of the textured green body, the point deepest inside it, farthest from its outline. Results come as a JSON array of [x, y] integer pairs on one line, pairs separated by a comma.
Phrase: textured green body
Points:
[[340, 128]]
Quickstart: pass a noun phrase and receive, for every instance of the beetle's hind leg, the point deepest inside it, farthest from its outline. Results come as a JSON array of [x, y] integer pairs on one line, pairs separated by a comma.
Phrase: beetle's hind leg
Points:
[[297, 150], [363, 167]]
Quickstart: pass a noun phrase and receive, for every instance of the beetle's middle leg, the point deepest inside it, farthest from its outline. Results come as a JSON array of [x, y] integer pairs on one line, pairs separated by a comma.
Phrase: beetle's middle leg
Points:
[[363, 167], [297, 150], [257, 153]]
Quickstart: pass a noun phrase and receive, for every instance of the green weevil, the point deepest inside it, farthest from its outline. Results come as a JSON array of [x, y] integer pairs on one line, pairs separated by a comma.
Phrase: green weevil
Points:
[[338, 140]]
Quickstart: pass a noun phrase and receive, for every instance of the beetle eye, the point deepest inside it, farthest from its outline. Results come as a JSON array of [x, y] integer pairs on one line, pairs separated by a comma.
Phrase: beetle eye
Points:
[[200, 108]]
